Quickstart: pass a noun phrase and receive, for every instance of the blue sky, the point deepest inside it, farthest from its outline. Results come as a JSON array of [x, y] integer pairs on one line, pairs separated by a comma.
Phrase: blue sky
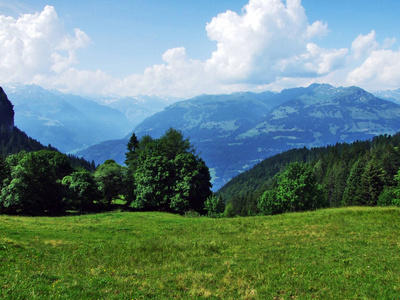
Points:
[[183, 48]]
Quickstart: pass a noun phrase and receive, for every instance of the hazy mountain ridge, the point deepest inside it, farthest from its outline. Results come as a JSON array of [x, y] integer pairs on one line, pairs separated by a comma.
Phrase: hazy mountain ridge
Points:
[[68, 122], [219, 113], [13, 140], [138, 108], [391, 95]]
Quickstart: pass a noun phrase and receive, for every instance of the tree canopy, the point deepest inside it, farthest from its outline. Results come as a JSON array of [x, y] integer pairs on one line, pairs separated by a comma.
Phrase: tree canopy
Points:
[[34, 185], [167, 174], [361, 173]]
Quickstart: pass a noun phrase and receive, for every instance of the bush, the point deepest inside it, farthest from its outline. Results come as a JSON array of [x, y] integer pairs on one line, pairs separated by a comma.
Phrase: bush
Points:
[[214, 206], [229, 211]]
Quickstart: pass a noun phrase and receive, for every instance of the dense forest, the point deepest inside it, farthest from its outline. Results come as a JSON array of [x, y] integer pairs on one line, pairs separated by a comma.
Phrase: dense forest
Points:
[[361, 173], [160, 174]]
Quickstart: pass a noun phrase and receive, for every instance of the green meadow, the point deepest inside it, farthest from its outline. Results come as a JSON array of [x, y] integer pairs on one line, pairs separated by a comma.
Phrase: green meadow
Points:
[[344, 253]]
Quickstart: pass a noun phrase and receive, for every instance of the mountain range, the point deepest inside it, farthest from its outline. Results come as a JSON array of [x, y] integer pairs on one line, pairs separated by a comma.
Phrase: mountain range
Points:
[[391, 95], [12, 140], [234, 132], [70, 123]]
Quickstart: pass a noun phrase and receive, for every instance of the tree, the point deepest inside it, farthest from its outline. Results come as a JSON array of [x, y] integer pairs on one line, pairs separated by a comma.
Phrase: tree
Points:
[[296, 190], [4, 170], [191, 183], [334, 183], [214, 206], [355, 191], [82, 191], [372, 183], [151, 183], [268, 203], [132, 146], [35, 186], [110, 179], [167, 174]]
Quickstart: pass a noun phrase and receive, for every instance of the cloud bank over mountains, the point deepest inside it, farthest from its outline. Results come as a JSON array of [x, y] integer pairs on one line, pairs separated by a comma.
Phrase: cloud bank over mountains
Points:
[[270, 45]]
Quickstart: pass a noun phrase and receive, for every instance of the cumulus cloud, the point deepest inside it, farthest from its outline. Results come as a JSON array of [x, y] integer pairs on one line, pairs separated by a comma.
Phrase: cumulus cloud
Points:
[[267, 41], [35, 45], [256, 45], [380, 67], [268, 45], [381, 70], [363, 45]]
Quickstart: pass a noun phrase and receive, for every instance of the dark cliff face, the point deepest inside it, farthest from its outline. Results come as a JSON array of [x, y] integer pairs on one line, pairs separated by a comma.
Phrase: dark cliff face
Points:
[[6, 111]]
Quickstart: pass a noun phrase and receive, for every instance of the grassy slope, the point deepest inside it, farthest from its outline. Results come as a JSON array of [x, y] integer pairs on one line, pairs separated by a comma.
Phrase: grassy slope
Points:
[[328, 254]]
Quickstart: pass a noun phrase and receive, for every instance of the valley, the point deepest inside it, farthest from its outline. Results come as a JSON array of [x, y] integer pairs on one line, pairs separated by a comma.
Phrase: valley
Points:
[[235, 132]]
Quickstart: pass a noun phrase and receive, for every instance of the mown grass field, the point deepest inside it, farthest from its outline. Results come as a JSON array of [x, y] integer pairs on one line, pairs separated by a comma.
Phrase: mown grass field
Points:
[[347, 253]]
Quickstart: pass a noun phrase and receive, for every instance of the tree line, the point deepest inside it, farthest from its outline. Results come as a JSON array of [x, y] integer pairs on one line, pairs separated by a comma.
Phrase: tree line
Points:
[[362, 173], [162, 174], [166, 174]]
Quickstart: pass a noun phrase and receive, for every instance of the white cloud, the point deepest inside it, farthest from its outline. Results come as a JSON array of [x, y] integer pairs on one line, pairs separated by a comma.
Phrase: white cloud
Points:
[[363, 45], [36, 45], [266, 41], [317, 29], [381, 70], [380, 66], [269, 45], [254, 46]]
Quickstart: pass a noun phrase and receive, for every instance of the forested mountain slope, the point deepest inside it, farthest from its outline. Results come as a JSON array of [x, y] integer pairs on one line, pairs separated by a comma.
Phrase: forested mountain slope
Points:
[[360, 173]]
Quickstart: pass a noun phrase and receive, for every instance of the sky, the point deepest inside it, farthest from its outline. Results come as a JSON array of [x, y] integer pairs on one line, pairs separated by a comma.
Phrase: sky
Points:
[[184, 48]]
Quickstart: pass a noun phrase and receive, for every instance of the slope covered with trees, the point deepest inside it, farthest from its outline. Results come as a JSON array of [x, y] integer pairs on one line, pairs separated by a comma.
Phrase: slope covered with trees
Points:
[[361, 173]]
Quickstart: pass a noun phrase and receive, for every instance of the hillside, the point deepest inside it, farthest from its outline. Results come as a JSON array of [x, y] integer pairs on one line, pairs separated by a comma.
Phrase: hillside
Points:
[[360, 173], [328, 254], [235, 132]]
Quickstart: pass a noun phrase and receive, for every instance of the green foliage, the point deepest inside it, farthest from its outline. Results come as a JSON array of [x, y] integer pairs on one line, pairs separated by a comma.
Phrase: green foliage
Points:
[[110, 178], [214, 206], [349, 174], [4, 170], [34, 186], [296, 190], [82, 191], [387, 197], [269, 204], [229, 211], [244, 205], [166, 174]]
